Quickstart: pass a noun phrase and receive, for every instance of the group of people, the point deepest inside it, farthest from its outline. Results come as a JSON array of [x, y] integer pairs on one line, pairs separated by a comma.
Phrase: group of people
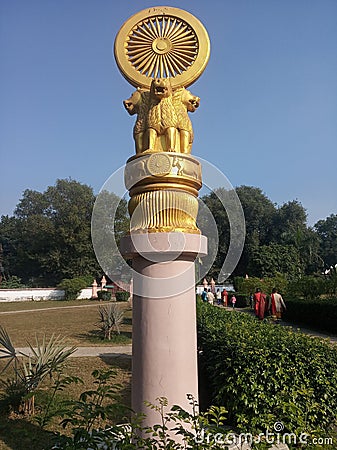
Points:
[[274, 305], [263, 306], [218, 297]]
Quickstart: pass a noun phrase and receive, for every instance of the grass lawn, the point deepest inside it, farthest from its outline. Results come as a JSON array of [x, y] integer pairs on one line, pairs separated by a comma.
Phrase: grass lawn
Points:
[[75, 320], [23, 306], [18, 433]]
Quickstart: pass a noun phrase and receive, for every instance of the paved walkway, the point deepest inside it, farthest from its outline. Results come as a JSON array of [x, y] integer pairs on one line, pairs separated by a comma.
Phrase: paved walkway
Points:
[[122, 350]]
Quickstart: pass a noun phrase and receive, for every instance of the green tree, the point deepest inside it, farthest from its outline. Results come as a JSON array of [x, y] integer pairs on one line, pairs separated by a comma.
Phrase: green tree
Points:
[[70, 208], [217, 246], [327, 233], [110, 221], [290, 228], [288, 221], [48, 238], [265, 225], [270, 260], [259, 212]]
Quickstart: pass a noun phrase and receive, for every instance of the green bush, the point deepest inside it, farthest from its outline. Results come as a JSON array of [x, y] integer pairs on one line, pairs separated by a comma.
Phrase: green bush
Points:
[[249, 285], [72, 287], [13, 282], [320, 313], [122, 296], [263, 373], [104, 295], [309, 287], [242, 300]]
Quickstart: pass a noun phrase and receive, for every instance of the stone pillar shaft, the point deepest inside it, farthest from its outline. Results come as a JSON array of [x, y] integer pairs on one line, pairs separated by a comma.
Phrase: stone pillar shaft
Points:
[[164, 343]]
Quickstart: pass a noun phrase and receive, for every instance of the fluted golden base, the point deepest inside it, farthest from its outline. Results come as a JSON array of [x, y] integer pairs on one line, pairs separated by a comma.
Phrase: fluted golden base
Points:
[[163, 188]]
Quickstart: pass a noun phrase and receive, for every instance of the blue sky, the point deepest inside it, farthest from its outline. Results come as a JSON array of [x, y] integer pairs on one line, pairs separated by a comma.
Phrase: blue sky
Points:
[[268, 113]]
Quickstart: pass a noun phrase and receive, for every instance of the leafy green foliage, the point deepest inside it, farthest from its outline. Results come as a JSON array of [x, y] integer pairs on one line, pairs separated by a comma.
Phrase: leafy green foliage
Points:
[[110, 221], [319, 313], [308, 287], [60, 383], [95, 406], [29, 370], [269, 260], [277, 238], [72, 287], [264, 373], [327, 233], [92, 420], [122, 296], [331, 281], [104, 295], [49, 236], [13, 282], [249, 285]]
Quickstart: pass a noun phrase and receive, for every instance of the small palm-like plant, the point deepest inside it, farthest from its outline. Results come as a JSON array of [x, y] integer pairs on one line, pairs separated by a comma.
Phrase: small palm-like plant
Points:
[[30, 369], [110, 319]]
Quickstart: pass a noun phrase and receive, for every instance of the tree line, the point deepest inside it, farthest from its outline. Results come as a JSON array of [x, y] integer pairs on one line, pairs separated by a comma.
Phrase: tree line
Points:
[[48, 238]]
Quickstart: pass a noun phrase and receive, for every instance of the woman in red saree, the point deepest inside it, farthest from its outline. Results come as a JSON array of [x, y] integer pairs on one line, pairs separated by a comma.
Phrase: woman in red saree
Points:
[[259, 304]]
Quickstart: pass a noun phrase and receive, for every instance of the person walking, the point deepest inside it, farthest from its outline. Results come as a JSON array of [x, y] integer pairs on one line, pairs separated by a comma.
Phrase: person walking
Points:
[[277, 305], [218, 296], [204, 295], [224, 295], [259, 303], [210, 297], [233, 300]]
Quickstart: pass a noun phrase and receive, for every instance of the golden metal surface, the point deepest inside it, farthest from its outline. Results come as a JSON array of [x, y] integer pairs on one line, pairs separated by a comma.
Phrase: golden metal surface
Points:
[[163, 211], [164, 168], [159, 164], [161, 51], [163, 123], [162, 42]]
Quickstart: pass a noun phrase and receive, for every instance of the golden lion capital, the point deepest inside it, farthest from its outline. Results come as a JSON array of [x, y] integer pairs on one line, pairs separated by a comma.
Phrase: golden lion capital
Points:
[[163, 123]]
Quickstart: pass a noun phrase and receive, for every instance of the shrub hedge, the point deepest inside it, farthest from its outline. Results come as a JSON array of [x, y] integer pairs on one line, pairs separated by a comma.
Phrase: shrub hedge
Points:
[[242, 300], [73, 286], [320, 313], [104, 295], [264, 373], [122, 296], [249, 285]]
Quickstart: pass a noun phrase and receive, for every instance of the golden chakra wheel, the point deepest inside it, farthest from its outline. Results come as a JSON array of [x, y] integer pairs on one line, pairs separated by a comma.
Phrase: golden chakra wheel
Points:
[[159, 164], [162, 42]]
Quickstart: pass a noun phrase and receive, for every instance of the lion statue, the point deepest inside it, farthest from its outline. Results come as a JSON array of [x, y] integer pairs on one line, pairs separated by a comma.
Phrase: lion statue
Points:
[[185, 102], [138, 104], [162, 113]]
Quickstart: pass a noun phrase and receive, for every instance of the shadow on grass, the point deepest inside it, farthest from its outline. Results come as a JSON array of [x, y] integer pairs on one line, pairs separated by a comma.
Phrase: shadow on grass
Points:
[[127, 320], [21, 434], [96, 337], [124, 393]]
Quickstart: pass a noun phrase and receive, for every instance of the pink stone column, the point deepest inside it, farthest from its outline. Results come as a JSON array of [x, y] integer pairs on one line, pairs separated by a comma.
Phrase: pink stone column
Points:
[[164, 344]]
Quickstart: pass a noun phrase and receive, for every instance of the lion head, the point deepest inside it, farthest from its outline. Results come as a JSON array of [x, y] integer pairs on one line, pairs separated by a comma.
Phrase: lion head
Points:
[[161, 88]]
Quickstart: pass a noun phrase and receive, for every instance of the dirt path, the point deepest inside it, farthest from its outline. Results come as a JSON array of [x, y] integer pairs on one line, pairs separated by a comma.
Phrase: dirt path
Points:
[[121, 350], [48, 309]]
